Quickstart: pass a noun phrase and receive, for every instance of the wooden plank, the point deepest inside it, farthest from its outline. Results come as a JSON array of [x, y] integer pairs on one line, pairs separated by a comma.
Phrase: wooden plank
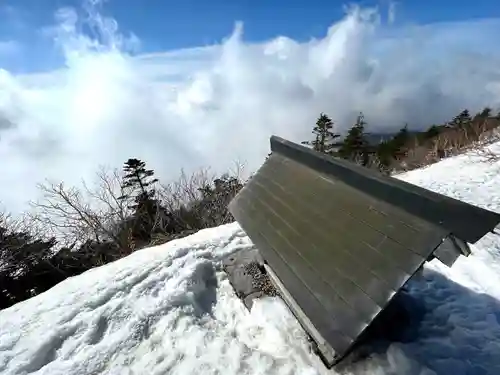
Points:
[[341, 243], [337, 196], [436, 208], [353, 201], [350, 228], [316, 312], [345, 318], [327, 353], [335, 266]]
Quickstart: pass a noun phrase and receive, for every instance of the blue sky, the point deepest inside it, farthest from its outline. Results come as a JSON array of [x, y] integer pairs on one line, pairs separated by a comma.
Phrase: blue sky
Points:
[[165, 25]]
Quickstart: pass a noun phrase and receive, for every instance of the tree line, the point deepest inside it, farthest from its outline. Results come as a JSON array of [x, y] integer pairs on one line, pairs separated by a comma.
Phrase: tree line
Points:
[[406, 150]]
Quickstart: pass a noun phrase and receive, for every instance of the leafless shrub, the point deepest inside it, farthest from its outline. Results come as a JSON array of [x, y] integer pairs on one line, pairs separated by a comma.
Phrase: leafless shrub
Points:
[[482, 149], [186, 189], [417, 157], [239, 171], [21, 224], [8, 222], [197, 201], [75, 215], [473, 139]]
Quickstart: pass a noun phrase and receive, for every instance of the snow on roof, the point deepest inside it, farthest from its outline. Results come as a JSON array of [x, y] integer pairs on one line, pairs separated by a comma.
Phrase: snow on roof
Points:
[[170, 309]]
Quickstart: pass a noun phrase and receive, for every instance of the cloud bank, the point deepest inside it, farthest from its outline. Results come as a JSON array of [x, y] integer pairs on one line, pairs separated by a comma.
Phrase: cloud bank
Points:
[[209, 106]]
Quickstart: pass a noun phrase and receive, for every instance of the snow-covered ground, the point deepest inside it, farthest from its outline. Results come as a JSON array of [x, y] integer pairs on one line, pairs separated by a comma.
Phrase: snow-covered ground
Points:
[[170, 310]]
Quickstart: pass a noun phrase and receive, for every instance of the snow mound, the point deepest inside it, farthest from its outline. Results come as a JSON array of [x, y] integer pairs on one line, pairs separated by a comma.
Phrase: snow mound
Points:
[[166, 309], [170, 309]]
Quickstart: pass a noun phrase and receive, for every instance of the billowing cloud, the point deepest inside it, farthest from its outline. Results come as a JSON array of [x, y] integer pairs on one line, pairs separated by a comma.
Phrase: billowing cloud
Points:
[[209, 106]]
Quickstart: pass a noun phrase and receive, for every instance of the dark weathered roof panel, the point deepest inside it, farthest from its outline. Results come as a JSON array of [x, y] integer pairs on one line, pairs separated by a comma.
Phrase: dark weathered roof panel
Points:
[[308, 302], [337, 238], [439, 209]]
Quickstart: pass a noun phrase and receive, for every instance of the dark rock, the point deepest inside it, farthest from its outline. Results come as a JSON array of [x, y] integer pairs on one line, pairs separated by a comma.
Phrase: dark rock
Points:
[[247, 276]]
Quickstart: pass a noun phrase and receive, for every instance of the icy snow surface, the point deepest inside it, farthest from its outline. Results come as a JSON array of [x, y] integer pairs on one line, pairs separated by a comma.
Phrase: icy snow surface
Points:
[[170, 310]]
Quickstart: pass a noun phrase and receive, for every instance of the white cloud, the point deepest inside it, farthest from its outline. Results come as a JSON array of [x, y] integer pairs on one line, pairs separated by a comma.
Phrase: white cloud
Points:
[[212, 105]]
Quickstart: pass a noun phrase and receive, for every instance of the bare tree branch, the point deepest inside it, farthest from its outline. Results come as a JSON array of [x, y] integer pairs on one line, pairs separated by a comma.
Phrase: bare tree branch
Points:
[[74, 215]]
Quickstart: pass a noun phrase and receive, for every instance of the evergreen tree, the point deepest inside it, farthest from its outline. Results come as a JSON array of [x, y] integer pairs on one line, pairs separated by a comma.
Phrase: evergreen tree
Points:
[[394, 148], [324, 135], [400, 141], [462, 120], [138, 180], [402, 136], [385, 154], [484, 114], [25, 268], [355, 145]]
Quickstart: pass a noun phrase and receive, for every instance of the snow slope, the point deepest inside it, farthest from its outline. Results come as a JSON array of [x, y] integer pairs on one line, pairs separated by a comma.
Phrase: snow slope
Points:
[[170, 310]]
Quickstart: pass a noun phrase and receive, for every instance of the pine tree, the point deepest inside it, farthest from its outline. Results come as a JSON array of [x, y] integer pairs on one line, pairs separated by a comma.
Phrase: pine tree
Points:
[[485, 113], [324, 135], [462, 120], [138, 181], [355, 145], [25, 269], [402, 136], [400, 141], [385, 154]]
